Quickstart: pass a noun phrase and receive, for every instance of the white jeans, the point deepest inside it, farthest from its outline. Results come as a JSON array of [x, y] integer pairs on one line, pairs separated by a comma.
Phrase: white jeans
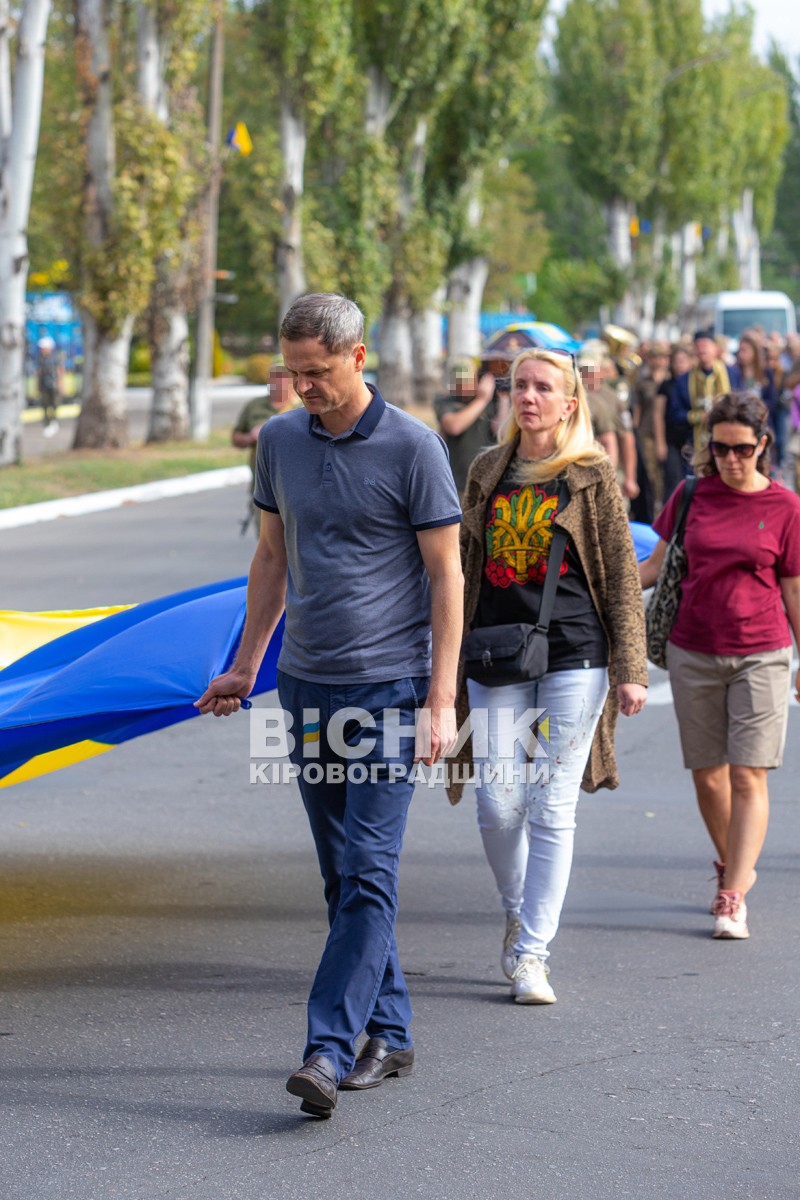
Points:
[[528, 828]]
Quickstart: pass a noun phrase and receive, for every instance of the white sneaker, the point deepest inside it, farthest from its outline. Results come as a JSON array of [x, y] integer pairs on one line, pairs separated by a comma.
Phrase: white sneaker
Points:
[[50, 429], [508, 959], [529, 984], [730, 916]]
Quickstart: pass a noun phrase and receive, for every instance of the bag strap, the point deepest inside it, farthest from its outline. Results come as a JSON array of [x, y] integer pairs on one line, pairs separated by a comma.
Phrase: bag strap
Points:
[[558, 548], [686, 499]]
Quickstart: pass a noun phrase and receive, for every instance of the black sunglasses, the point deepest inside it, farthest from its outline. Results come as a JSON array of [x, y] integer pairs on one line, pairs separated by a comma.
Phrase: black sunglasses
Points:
[[741, 449]]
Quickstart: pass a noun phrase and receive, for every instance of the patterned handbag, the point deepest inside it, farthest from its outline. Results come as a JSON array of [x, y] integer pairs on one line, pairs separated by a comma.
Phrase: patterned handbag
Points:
[[663, 607]]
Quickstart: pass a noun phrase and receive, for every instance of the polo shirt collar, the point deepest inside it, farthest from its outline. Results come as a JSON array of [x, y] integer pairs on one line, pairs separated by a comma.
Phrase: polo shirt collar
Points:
[[364, 426]]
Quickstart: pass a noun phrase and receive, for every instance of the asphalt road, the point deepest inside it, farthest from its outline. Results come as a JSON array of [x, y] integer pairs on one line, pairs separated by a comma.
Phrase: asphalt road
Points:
[[161, 919]]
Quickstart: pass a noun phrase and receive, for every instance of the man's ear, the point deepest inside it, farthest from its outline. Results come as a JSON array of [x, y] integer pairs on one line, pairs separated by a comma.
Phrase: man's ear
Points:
[[360, 356]]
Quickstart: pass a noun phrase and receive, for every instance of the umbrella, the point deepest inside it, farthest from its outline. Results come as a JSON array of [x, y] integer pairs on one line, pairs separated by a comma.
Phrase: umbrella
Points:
[[524, 335]]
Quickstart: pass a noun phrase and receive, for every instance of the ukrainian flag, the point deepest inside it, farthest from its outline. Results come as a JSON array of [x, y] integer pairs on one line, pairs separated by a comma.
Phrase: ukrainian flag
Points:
[[77, 683], [239, 139]]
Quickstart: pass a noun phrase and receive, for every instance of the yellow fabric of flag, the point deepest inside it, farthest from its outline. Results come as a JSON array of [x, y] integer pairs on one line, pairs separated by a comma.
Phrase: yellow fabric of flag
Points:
[[241, 139], [22, 632]]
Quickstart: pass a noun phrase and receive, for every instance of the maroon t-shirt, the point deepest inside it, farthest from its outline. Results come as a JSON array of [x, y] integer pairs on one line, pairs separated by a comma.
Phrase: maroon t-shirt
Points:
[[739, 546]]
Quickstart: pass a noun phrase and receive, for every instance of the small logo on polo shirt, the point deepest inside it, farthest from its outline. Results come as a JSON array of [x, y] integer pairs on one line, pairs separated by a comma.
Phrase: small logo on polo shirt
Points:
[[369, 481]]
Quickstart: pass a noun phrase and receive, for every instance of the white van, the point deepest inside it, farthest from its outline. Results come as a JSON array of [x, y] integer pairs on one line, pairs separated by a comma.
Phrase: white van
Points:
[[730, 313]]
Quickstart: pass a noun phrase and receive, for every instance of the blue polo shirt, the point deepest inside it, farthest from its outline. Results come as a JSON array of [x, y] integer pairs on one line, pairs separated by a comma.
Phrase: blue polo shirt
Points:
[[358, 595]]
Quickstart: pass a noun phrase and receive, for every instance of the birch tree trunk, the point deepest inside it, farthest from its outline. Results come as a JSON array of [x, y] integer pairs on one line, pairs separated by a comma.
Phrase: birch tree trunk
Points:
[[755, 260], [690, 247], [168, 337], [465, 300], [103, 419], [396, 352], [748, 248], [378, 103], [465, 288], [167, 317], [291, 274], [647, 324], [151, 62], [723, 235], [427, 350], [618, 220], [20, 113]]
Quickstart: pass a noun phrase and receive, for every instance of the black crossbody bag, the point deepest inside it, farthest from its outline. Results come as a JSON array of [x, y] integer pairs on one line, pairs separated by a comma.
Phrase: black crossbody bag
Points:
[[499, 654]]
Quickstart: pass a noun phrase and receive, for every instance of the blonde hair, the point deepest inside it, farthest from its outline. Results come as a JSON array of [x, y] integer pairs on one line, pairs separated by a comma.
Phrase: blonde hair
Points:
[[574, 438]]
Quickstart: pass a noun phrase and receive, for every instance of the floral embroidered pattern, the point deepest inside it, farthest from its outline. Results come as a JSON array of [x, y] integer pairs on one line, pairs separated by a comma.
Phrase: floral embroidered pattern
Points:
[[518, 536]]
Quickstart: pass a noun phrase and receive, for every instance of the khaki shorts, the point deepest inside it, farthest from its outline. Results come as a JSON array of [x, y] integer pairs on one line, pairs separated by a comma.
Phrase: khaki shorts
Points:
[[731, 709]]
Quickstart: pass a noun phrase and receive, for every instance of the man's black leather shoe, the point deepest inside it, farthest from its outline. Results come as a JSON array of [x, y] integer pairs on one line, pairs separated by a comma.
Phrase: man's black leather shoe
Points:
[[315, 1084], [377, 1062]]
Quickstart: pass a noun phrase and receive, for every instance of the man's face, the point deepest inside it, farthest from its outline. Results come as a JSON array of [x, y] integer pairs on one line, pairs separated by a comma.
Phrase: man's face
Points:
[[324, 381], [463, 383], [281, 392], [706, 351], [590, 377]]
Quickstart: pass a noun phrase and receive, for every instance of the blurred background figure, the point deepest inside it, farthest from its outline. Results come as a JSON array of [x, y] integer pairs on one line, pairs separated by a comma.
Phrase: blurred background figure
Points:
[[758, 377], [709, 378], [280, 398], [671, 418], [470, 414], [650, 447], [50, 383], [611, 416]]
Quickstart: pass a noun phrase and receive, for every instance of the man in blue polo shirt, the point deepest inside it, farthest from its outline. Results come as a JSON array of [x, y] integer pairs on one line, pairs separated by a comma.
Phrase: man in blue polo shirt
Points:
[[359, 541]]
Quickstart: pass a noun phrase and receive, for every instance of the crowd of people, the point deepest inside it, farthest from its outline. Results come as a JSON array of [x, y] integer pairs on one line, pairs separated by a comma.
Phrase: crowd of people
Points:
[[485, 580], [674, 389]]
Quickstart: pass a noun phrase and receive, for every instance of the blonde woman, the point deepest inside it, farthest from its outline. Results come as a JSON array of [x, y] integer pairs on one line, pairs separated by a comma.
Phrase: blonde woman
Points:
[[548, 473]]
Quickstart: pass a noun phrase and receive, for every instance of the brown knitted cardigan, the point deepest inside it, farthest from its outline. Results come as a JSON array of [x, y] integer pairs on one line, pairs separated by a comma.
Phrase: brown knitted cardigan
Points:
[[597, 524]]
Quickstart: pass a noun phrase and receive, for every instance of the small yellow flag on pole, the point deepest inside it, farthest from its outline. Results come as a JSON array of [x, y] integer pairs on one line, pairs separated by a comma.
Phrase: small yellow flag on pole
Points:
[[239, 139]]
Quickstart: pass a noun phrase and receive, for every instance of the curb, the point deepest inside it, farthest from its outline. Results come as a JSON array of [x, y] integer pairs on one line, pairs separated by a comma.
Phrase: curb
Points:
[[140, 493]]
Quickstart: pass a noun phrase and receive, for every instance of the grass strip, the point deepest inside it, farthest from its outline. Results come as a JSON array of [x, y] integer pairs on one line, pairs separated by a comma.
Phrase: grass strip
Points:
[[74, 472]]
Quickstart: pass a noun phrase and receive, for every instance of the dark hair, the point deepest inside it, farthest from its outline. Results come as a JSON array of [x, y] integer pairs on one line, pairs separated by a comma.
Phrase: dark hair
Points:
[[758, 355], [679, 348], [335, 320], [739, 408]]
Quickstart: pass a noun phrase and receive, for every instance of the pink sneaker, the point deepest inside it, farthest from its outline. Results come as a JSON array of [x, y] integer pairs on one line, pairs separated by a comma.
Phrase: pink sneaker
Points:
[[720, 870], [730, 913], [719, 867]]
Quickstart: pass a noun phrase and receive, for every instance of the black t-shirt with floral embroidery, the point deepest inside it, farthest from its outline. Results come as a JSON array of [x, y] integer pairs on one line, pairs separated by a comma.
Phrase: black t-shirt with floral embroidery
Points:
[[518, 533]]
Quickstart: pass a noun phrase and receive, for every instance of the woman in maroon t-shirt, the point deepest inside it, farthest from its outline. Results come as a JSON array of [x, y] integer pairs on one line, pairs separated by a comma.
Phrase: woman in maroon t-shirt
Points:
[[730, 650]]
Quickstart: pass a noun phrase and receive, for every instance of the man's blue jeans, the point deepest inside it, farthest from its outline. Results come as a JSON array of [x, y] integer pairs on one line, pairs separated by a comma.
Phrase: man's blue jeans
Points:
[[358, 832]]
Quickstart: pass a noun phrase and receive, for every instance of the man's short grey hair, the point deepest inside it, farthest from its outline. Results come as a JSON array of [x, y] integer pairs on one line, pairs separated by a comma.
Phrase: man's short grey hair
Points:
[[335, 320]]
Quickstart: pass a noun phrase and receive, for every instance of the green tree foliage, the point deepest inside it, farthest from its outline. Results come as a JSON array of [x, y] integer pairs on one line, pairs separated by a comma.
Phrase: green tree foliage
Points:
[[414, 58], [782, 249], [498, 96], [683, 184], [609, 86], [516, 235], [750, 103], [307, 45]]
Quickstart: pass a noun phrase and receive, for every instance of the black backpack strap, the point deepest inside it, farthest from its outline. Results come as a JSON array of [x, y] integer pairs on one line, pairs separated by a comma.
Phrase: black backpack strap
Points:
[[558, 547]]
